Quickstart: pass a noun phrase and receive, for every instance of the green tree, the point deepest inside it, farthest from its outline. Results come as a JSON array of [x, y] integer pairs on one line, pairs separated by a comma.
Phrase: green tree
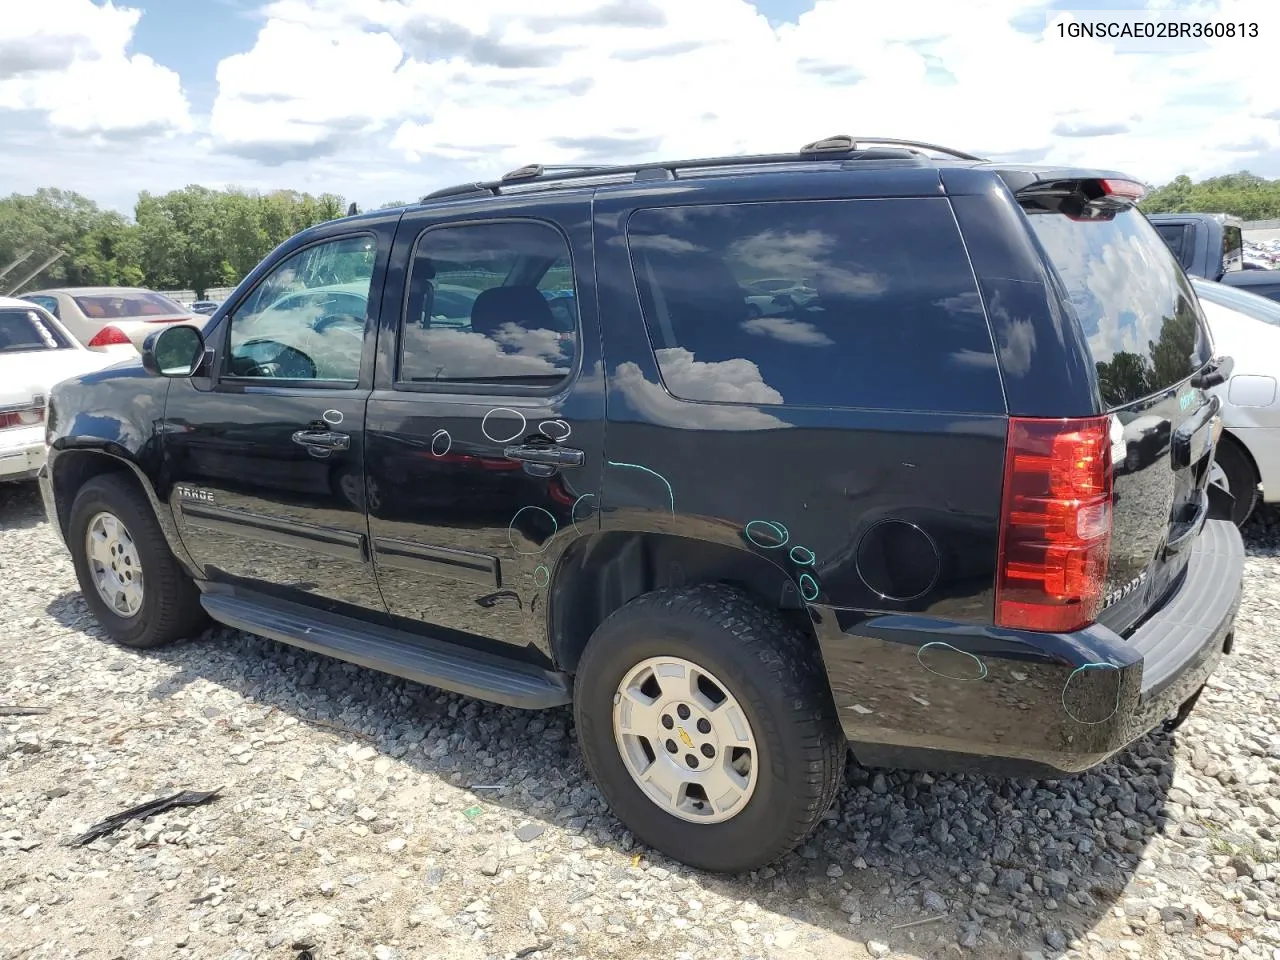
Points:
[[193, 238], [1240, 194]]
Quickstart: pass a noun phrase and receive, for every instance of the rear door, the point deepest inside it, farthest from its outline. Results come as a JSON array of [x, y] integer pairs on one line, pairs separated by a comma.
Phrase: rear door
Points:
[[485, 429], [1147, 337]]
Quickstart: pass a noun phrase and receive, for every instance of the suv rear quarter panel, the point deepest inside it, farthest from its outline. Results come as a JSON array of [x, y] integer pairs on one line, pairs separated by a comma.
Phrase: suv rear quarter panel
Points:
[[798, 488]]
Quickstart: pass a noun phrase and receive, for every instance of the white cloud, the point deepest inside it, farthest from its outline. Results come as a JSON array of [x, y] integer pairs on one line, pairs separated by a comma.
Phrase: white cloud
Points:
[[726, 387], [387, 99], [68, 60], [492, 84]]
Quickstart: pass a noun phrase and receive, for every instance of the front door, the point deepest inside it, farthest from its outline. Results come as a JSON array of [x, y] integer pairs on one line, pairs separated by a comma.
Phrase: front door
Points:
[[266, 454], [484, 434]]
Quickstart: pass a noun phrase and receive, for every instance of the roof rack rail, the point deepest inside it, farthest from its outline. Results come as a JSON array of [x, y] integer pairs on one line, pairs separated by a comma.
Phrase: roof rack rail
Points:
[[460, 190], [840, 147]]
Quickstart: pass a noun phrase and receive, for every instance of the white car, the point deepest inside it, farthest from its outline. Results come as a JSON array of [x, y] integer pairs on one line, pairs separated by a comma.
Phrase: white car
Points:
[[1246, 327], [36, 351], [111, 319]]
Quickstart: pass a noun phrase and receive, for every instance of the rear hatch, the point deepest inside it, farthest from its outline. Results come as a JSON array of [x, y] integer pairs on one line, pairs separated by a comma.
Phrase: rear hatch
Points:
[[1147, 337]]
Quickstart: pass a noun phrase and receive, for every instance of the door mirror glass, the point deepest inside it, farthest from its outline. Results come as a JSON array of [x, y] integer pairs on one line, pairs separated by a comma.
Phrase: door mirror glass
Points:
[[175, 351]]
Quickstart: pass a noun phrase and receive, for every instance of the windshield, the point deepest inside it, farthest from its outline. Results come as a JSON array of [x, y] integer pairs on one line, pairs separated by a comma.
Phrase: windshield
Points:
[[1250, 304], [1137, 308], [22, 331], [127, 304]]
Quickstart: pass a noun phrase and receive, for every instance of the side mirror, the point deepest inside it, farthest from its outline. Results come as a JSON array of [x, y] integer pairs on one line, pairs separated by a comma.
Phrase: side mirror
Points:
[[175, 351]]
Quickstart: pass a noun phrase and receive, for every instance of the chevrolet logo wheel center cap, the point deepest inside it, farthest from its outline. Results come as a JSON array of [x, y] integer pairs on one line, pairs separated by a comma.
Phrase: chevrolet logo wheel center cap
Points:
[[687, 733]]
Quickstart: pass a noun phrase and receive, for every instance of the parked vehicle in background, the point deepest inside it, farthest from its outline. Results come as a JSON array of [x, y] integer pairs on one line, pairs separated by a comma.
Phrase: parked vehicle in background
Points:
[[1211, 246], [36, 352], [205, 307], [738, 544], [1246, 327], [106, 318]]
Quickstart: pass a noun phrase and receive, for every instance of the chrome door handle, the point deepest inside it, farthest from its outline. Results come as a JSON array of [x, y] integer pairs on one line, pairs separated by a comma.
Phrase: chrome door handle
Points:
[[322, 439], [551, 455]]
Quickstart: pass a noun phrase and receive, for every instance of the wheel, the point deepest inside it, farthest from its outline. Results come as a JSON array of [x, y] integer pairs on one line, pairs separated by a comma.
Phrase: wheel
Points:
[[1235, 473], [129, 577], [707, 722]]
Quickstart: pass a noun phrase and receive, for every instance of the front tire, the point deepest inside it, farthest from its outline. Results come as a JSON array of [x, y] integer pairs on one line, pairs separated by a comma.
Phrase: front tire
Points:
[[130, 579], [742, 696]]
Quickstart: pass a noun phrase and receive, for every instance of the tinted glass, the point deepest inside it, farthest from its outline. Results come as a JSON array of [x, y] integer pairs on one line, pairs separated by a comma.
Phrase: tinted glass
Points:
[[859, 303], [1136, 306], [1250, 304], [488, 303], [1175, 236], [305, 320], [127, 304], [22, 331]]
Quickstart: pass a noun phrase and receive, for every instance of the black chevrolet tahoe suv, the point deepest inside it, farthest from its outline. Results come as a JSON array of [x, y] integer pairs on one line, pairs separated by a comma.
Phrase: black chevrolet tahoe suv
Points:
[[754, 460]]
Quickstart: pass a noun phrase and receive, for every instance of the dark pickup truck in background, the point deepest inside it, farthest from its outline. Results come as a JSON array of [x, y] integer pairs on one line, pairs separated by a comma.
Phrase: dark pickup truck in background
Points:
[[1211, 245]]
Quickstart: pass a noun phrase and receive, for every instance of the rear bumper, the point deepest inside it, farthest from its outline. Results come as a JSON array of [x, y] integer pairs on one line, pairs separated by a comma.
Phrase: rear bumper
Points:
[[22, 453], [918, 692]]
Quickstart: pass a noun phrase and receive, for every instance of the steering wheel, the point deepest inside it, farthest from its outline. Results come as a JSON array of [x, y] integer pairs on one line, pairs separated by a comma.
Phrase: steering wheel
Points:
[[348, 322], [287, 364]]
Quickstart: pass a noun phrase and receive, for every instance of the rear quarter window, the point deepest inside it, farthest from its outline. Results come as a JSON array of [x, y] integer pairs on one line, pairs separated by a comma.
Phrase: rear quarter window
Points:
[[840, 303], [1136, 307]]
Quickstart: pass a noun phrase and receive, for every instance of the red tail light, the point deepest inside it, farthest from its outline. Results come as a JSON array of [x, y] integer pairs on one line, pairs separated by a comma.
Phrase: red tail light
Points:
[[1126, 189], [108, 336], [25, 417], [1055, 534]]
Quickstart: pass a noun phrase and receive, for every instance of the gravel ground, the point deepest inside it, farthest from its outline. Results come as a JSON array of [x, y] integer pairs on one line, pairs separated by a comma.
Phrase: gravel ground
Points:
[[376, 818]]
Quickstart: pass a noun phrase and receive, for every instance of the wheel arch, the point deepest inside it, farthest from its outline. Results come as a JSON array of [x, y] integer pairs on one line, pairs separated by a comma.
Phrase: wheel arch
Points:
[[71, 469], [600, 573]]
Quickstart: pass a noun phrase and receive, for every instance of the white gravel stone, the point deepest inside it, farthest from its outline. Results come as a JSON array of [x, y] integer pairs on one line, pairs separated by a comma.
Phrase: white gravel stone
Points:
[[353, 827]]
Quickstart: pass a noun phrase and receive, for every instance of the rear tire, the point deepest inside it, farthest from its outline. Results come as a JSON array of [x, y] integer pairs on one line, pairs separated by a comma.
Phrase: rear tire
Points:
[[772, 680], [169, 606], [1242, 478]]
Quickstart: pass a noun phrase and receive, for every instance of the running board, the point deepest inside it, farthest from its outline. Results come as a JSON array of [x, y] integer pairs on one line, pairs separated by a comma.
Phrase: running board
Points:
[[436, 663]]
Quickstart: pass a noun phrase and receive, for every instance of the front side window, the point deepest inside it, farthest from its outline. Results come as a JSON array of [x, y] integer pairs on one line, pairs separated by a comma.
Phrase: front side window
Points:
[[843, 303], [306, 319], [22, 331], [490, 303]]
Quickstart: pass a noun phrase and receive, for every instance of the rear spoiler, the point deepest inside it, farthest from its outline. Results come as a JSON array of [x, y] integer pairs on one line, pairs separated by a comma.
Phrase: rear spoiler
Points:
[[1083, 198]]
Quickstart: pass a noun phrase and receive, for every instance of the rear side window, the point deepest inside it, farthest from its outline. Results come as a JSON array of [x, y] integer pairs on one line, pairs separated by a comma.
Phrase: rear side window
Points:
[[22, 331], [123, 306], [1175, 236], [1138, 310], [490, 303], [846, 303]]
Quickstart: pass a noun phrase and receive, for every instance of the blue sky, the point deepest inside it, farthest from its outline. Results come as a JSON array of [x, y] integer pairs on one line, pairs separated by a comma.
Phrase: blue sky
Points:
[[385, 100]]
